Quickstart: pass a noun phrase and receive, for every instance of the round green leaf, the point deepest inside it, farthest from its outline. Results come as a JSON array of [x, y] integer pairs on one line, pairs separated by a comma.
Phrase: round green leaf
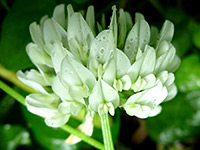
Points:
[[178, 120], [188, 74]]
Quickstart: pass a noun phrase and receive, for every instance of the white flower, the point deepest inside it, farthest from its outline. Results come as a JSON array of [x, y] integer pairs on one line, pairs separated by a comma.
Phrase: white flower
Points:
[[125, 65]]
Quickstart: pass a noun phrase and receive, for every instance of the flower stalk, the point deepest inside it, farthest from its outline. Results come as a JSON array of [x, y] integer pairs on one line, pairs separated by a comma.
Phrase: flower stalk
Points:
[[107, 137]]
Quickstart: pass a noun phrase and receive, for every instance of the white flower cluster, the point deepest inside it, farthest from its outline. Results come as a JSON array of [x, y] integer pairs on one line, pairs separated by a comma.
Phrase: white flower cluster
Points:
[[83, 65]]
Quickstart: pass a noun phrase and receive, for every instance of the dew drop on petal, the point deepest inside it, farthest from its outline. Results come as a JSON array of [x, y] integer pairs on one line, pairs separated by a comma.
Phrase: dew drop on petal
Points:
[[102, 51], [104, 38], [98, 57], [131, 40], [128, 47]]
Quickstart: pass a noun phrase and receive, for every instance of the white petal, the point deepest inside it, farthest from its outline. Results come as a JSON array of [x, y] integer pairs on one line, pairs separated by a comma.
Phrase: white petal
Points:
[[36, 34], [126, 81], [111, 109], [57, 32], [72, 107], [90, 19], [113, 24], [138, 17], [118, 85], [59, 15], [103, 93], [150, 81], [138, 85], [68, 75], [37, 55], [102, 48], [172, 91], [33, 79], [64, 107], [122, 63], [80, 36], [122, 28], [168, 59], [137, 38], [61, 90], [75, 108], [148, 63], [110, 72], [56, 120], [132, 109], [134, 70], [70, 10], [79, 92], [174, 64], [163, 76], [84, 74], [166, 32], [155, 111], [42, 61], [161, 96], [40, 104], [58, 53], [96, 97], [170, 79]]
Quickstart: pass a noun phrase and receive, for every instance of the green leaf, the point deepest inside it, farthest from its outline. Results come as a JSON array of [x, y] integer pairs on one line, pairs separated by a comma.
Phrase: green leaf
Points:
[[13, 136], [15, 31], [196, 37], [182, 41], [179, 119], [188, 74]]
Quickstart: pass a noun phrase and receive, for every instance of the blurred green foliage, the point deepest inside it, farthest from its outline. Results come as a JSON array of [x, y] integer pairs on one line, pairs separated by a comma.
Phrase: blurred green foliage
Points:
[[180, 118]]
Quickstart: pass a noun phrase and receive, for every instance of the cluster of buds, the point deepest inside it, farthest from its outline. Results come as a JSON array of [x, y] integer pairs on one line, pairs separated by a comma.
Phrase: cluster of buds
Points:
[[81, 64]]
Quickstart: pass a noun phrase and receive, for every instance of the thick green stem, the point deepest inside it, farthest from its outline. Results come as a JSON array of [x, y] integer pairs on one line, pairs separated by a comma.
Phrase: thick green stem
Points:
[[66, 127], [107, 137]]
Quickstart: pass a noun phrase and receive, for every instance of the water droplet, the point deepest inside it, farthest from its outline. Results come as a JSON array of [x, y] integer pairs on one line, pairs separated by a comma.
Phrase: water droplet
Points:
[[104, 38], [107, 32], [131, 40], [102, 51], [145, 40], [98, 57], [99, 40], [127, 47]]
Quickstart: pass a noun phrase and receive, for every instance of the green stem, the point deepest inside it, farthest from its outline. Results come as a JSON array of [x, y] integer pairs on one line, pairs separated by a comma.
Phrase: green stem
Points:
[[66, 127], [107, 137], [12, 92]]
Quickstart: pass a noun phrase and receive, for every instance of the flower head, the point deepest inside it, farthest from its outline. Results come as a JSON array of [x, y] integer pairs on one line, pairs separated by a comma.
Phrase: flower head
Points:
[[83, 64]]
